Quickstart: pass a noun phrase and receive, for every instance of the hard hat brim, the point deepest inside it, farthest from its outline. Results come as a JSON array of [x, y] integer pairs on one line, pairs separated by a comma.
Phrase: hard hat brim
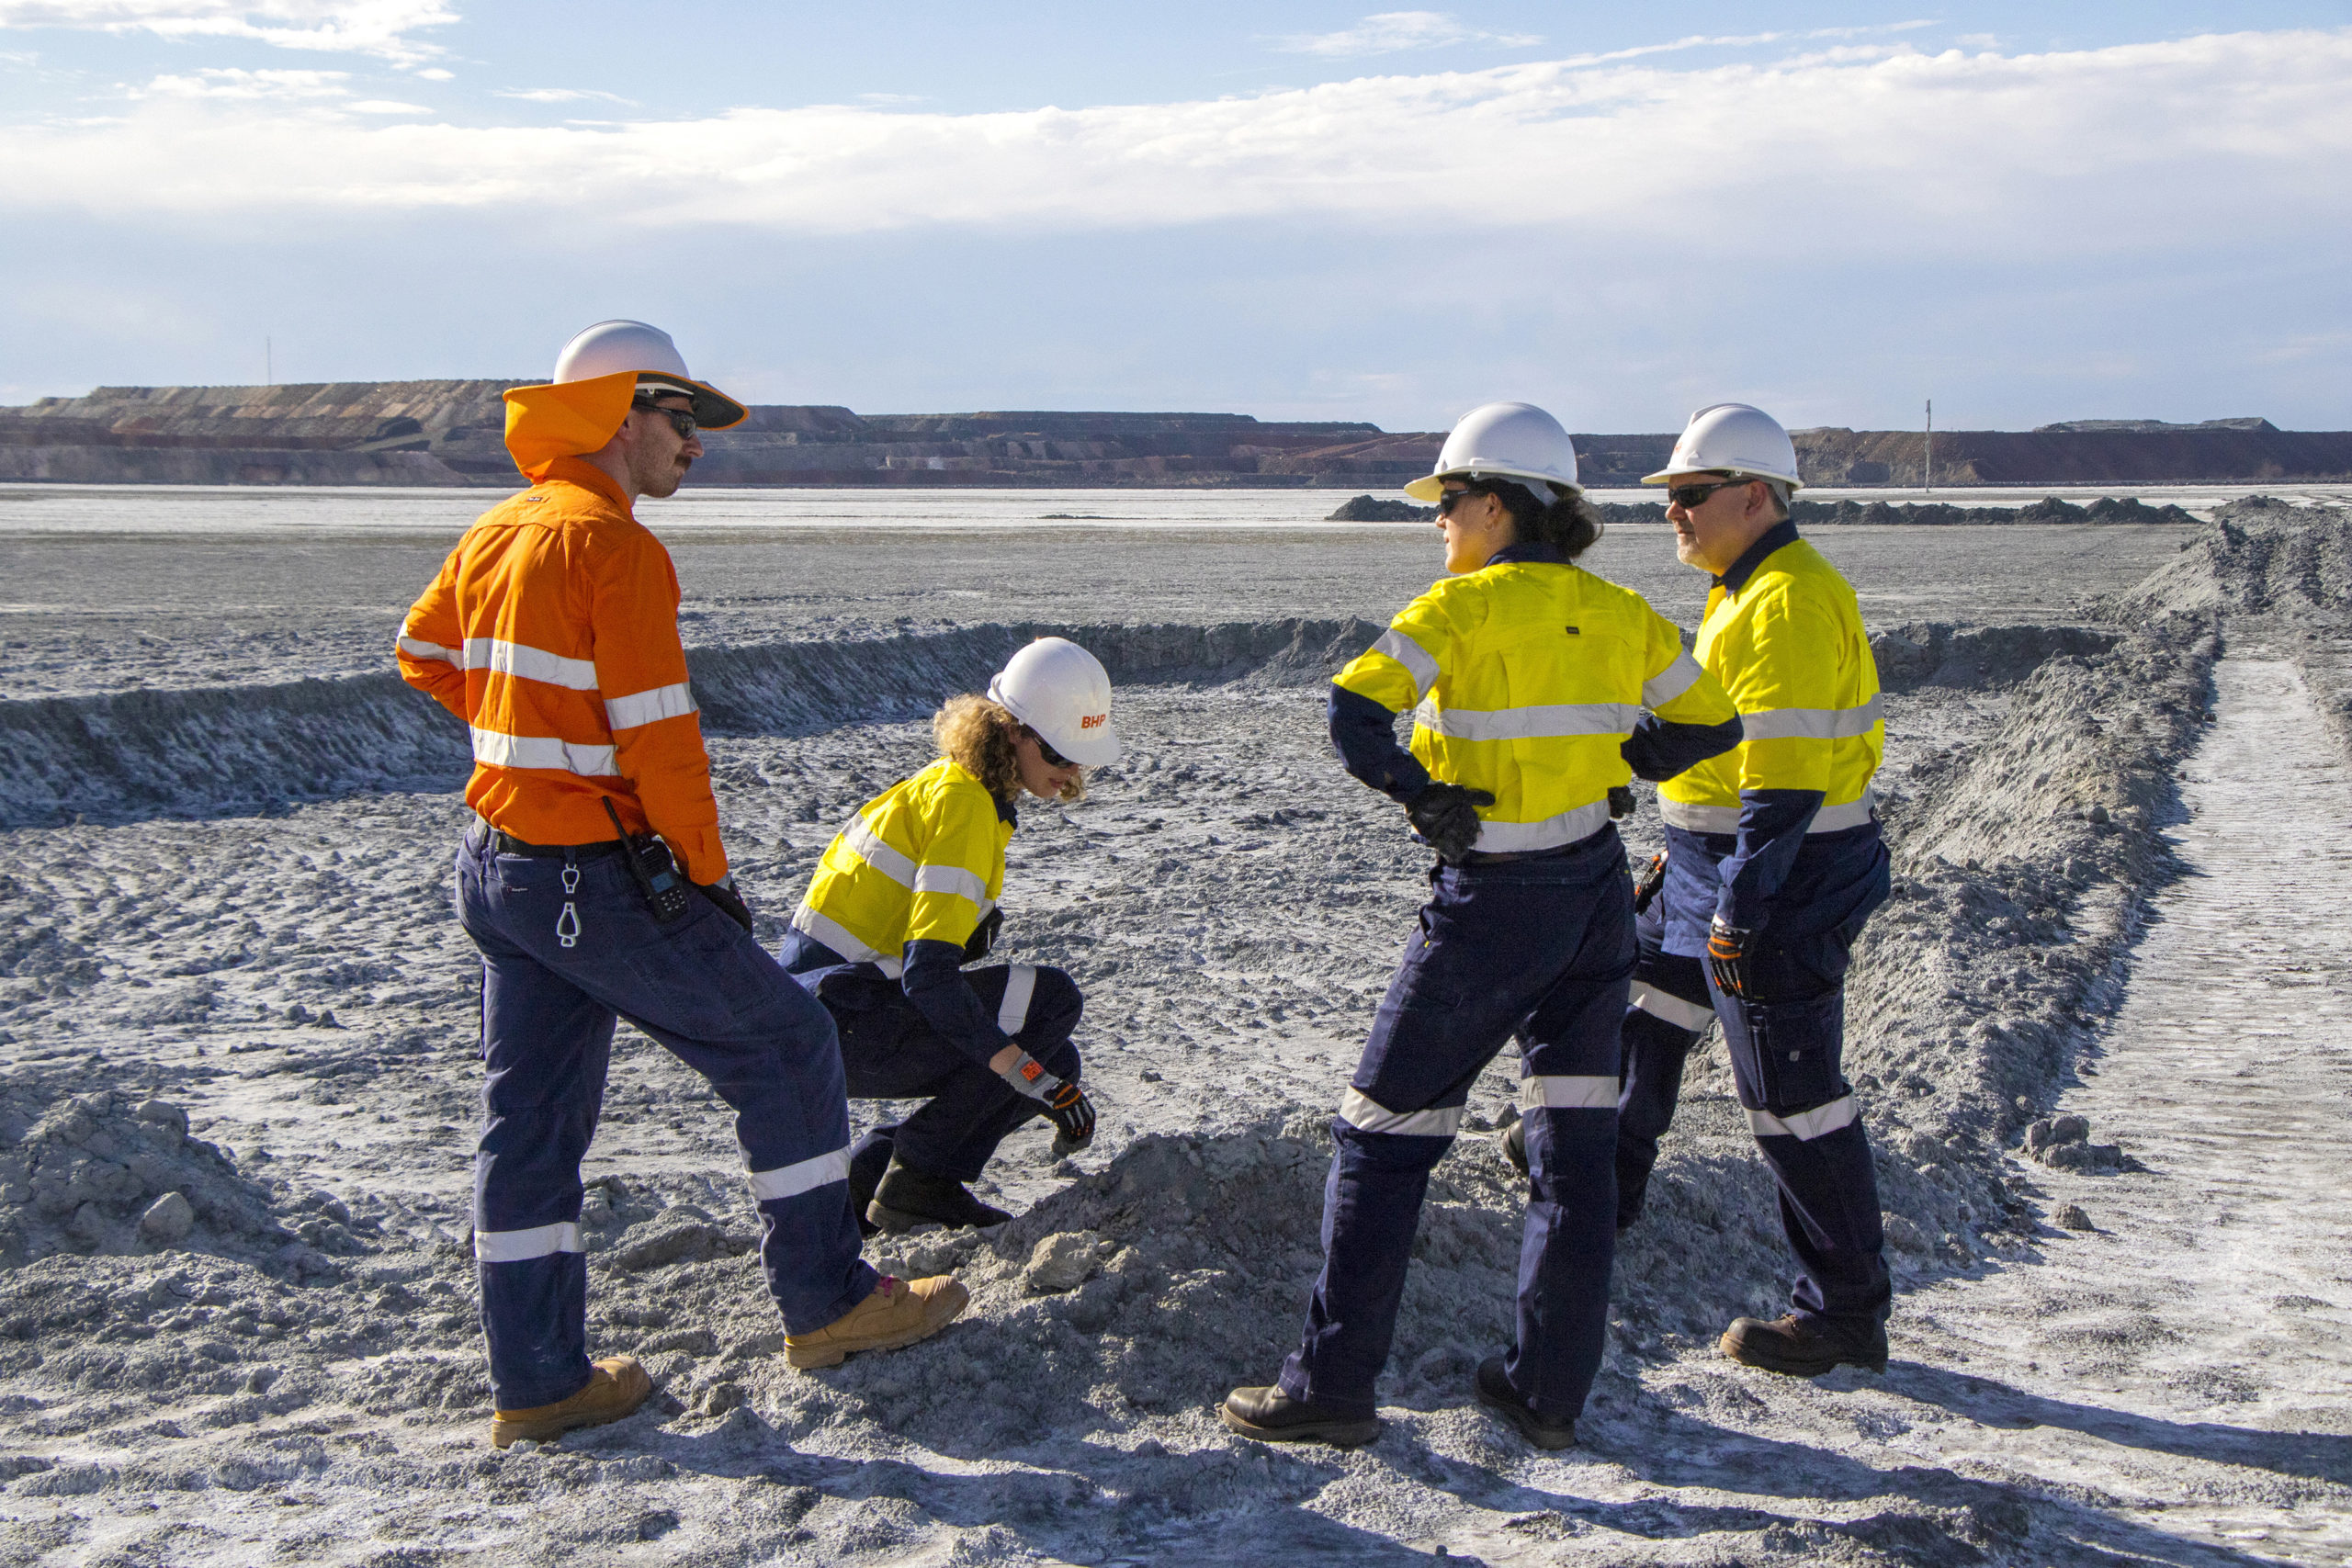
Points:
[[714, 409], [1429, 486], [1096, 750], [1668, 475]]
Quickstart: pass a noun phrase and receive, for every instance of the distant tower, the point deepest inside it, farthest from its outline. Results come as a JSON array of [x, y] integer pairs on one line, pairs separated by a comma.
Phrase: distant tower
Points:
[[1928, 474]]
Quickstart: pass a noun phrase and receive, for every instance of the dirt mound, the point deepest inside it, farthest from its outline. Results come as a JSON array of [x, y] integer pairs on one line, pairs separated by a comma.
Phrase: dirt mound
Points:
[[103, 1173], [2283, 574]]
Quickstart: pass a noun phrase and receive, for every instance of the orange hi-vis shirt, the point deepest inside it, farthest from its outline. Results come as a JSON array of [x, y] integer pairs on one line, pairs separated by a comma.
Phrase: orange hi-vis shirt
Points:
[[552, 630]]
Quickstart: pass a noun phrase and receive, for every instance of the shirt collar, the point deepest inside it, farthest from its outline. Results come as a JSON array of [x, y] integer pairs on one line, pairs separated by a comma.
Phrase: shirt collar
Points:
[[1526, 551], [1785, 531], [589, 477]]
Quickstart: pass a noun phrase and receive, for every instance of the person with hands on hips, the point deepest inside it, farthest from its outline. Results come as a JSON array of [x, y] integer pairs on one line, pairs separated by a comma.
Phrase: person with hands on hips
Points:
[[906, 897], [1773, 862], [595, 884], [1528, 678]]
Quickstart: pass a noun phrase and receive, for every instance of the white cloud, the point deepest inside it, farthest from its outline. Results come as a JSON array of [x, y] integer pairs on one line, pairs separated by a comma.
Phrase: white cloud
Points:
[[385, 106], [1391, 32], [1862, 150], [380, 27], [248, 84], [559, 95], [434, 73]]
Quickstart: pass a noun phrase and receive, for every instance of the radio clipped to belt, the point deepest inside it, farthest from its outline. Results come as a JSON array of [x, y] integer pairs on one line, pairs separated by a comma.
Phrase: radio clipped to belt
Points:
[[666, 893]]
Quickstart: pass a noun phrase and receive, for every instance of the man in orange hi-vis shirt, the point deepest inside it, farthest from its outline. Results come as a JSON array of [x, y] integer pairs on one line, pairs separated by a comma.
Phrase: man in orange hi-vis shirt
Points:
[[595, 884]]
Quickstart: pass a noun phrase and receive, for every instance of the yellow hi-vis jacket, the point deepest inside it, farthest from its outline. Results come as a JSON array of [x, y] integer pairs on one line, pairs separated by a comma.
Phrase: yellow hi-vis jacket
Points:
[[1783, 635], [1525, 677], [921, 861]]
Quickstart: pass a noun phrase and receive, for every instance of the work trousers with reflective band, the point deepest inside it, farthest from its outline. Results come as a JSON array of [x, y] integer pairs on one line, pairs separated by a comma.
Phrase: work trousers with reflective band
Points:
[[889, 1052], [704, 988], [1539, 948], [1787, 1049]]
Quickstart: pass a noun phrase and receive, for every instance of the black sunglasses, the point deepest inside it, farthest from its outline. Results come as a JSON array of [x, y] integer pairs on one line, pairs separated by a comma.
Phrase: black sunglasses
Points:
[[1689, 496], [681, 419], [1448, 500], [1053, 759]]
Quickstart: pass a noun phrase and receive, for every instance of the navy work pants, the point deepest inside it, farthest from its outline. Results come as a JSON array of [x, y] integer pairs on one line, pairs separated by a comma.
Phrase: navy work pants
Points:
[[705, 990], [1539, 948], [1787, 1047], [890, 1052]]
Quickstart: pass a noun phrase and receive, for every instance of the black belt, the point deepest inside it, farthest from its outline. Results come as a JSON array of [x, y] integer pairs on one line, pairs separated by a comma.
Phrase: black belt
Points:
[[506, 843]]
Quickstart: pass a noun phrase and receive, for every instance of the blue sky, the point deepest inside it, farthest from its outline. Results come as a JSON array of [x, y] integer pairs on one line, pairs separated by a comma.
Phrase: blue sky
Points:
[[2029, 213]]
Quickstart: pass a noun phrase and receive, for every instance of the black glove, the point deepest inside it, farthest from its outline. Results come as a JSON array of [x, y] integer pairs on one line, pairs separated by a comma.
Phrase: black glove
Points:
[[1621, 802], [731, 903], [1072, 1115], [1446, 815], [1648, 880], [1728, 949], [983, 938]]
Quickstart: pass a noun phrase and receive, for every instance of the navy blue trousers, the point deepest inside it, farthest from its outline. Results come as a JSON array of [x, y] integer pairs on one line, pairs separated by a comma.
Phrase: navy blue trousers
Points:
[[1539, 948], [890, 1052], [705, 990], [1787, 1047]]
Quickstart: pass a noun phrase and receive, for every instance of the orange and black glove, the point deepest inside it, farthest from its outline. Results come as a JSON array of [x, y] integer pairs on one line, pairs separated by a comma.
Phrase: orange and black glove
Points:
[[1648, 880], [1728, 952]]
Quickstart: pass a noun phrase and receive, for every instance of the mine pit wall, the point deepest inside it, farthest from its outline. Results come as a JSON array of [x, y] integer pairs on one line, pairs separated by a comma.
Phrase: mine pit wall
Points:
[[223, 750]]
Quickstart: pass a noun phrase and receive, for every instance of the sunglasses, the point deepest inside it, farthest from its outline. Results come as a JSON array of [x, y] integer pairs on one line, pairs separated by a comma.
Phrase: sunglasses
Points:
[[1690, 496], [681, 419], [1053, 759], [1448, 500]]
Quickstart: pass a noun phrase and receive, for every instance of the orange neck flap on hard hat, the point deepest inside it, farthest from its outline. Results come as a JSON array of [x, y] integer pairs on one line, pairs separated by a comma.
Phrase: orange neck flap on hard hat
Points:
[[565, 418]]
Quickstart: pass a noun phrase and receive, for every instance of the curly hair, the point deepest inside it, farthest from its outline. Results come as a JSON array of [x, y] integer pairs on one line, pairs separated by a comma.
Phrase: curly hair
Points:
[[978, 736], [1568, 523]]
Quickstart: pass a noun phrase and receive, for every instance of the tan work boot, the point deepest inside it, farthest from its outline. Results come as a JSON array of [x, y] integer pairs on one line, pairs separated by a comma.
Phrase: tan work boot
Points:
[[616, 1386], [899, 1312]]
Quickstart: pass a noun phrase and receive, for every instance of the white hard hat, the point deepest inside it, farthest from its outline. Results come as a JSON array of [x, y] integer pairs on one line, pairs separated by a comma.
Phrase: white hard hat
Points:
[[1062, 692], [1504, 441], [1733, 438], [610, 348]]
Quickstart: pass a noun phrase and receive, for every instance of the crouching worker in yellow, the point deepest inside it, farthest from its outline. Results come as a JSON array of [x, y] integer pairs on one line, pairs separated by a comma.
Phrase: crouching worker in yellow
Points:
[[907, 896], [1527, 677]]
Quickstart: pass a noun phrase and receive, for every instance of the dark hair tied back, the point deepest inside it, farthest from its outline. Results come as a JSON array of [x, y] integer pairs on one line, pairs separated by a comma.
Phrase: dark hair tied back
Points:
[[1566, 523]]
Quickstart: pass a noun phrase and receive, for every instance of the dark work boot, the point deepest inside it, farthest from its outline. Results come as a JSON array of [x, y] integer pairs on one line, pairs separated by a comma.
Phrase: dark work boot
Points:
[[1515, 1144], [908, 1198], [1805, 1346], [1497, 1395], [861, 1198], [1273, 1417]]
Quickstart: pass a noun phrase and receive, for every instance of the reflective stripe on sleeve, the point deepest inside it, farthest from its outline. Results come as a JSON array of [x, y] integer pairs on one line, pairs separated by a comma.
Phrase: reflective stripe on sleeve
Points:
[[1549, 1093], [805, 1176], [504, 658], [1809, 724], [1693, 818], [1369, 1115], [932, 877], [1020, 985], [521, 1246], [1672, 682], [1411, 655], [544, 751], [417, 647], [1549, 722], [838, 937], [1679, 1011], [860, 836], [1568, 828], [644, 707], [1821, 1121]]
